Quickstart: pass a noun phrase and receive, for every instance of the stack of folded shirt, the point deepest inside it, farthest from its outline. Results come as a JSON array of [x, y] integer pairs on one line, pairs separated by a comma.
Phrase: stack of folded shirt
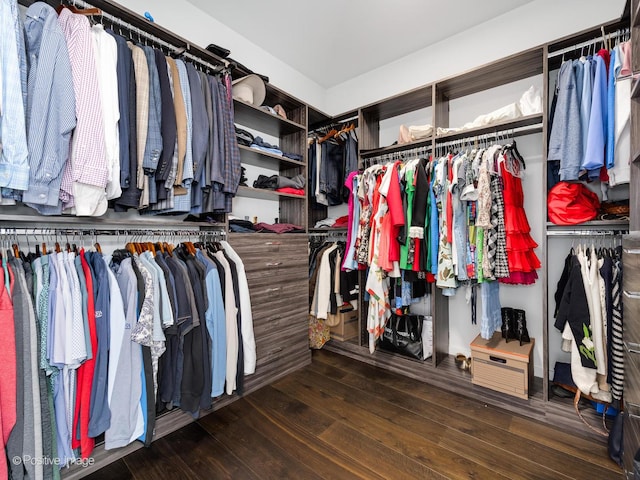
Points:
[[260, 144]]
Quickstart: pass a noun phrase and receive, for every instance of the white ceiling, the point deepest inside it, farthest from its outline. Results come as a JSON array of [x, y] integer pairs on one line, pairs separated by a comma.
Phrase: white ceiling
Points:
[[331, 41]]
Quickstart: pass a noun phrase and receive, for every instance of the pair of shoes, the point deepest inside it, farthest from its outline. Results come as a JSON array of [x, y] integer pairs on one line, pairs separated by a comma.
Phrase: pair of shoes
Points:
[[514, 325], [463, 362]]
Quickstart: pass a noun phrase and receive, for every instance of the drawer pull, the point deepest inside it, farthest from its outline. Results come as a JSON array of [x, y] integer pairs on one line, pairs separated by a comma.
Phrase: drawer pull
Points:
[[275, 289], [273, 243], [497, 359], [635, 295], [277, 350], [632, 251], [273, 264], [633, 347]]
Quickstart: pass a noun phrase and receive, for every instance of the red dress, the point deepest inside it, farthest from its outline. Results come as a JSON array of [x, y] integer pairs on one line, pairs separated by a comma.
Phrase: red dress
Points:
[[523, 262]]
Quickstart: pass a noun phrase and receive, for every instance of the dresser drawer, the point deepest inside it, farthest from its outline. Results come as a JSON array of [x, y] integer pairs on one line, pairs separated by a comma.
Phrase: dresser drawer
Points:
[[264, 294], [631, 437], [631, 265], [281, 341], [268, 326], [280, 308], [632, 374], [631, 308]]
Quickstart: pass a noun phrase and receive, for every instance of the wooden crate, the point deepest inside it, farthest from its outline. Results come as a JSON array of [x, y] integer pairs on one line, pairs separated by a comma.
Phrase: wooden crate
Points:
[[347, 327], [501, 366]]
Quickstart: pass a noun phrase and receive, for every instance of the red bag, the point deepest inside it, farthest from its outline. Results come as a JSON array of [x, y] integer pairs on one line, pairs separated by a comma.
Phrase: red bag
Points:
[[571, 203]]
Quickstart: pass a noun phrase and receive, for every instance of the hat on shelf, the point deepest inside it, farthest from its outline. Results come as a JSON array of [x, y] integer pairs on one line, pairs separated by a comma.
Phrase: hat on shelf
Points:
[[250, 89]]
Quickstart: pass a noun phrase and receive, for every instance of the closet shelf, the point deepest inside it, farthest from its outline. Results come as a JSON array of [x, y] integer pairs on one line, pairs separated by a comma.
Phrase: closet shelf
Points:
[[328, 229], [256, 118], [375, 152], [592, 225], [264, 194], [533, 121], [257, 158]]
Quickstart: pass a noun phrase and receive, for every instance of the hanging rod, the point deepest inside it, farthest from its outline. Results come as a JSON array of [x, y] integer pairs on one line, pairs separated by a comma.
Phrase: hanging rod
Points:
[[621, 33], [334, 124], [586, 233], [44, 232], [407, 154], [184, 51]]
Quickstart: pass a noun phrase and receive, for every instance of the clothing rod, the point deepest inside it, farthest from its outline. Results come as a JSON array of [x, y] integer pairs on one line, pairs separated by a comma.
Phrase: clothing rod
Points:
[[586, 233], [409, 153], [140, 32], [506, 134], [588, 43], [100, 232]]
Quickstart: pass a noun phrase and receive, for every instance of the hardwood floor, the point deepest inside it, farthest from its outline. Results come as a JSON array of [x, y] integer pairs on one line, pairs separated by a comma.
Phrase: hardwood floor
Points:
[[343, 419]]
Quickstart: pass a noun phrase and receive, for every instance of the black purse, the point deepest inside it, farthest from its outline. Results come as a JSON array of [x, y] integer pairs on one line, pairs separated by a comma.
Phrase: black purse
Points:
[[403, 335]]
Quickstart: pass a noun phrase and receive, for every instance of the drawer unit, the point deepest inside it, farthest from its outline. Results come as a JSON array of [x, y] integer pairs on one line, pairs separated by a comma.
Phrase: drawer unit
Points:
[[632, 375], [631, 437], [501, 366]]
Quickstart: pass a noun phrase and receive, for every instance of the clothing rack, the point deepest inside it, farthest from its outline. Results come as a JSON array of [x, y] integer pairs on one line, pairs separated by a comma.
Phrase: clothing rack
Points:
[[408, 154], [184, 50], [623, 33], [498, 135], [338, 123], [117, 231], [587, 233]]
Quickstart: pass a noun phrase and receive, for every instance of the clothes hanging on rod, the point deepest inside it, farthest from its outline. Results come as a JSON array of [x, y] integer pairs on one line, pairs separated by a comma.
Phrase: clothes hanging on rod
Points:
[[136, 125], [454, 220], [589, 314], [332, 157], [110, 341], [590, 130]]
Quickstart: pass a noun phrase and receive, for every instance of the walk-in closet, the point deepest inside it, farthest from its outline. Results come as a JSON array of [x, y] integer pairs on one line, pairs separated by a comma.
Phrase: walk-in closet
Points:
[[362, 240]]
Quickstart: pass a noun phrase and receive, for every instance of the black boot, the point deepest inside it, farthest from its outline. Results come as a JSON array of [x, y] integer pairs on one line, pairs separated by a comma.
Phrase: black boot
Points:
[[521, 327], [507, 323]]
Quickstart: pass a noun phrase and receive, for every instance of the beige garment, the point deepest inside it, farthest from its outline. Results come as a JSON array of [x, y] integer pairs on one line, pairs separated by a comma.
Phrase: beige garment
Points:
[[141, 69], [181, 122]]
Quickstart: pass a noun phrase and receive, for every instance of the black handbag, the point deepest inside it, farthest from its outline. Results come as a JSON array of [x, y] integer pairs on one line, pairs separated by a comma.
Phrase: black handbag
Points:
[[403, 335]]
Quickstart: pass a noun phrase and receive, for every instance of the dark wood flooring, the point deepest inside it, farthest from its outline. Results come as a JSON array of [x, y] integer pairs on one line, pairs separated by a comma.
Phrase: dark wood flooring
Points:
[[344, 419]]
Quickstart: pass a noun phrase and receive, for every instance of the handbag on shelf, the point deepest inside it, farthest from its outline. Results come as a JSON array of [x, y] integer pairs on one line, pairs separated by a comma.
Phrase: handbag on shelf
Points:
[[403, 335]]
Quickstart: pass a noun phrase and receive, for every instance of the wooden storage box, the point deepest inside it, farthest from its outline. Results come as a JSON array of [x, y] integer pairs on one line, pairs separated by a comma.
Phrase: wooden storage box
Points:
[[347, 327], [501, 366]]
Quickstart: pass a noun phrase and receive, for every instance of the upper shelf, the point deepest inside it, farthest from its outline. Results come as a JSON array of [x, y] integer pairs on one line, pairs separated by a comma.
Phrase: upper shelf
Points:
[[256, 118], [534, 121], [507, 70], [410, 101], [258, 158]]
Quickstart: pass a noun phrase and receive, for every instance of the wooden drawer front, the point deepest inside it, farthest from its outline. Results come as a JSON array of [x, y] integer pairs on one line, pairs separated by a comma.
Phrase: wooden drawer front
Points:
[[632, 376], [631, 265], [279, 277], [501, 374], [266, 296], [279, 309], [265, 324], [631, 308], [631, 434], [268, 251], [282, 341]]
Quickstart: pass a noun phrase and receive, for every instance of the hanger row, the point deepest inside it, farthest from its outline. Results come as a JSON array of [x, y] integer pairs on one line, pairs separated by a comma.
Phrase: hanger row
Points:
[[140, 35]]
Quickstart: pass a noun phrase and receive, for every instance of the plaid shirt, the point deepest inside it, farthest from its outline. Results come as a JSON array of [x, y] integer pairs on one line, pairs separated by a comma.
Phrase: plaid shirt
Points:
[[87, 164]]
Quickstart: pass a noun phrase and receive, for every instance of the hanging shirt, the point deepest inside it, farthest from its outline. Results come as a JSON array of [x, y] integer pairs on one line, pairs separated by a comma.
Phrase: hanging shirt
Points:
[[106, 53], [14, 167], [51, 109], [86, 175], [596, 137], [565, 142]]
